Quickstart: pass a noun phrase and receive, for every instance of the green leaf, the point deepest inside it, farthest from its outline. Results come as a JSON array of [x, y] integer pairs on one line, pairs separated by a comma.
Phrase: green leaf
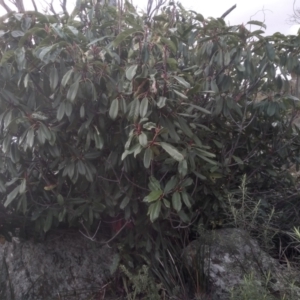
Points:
[[123, 35], [169, 43], [237, 160], [172, 151], [212, 162], [81, 167], [185, 128], [171, 184], [186, 200], [134, 110], [7, 55], [176, 201], [12, 196], [53, 78], [72, 92], [153, 196], [183, 216], [149, 126], [68, 109], [258, 23], [60, 200], [148, 156], [166, 203], [153, 184], [48, 221], [131, 71], [22, 188], [66, 78], [124, 202], [161, 102], [214, 86], [226, 58], [154, 210], [82, 111], [182, 82], [114, 109], [144, 107], [30, 137], [198, 107], [270, 51], [180, 94], [182, 168], [61, 111], [99, 143], [143, 139]]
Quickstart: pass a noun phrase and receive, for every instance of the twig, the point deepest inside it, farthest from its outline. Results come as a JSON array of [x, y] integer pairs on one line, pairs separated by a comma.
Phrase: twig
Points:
[[7, 8], [34, 5], [87, 235]]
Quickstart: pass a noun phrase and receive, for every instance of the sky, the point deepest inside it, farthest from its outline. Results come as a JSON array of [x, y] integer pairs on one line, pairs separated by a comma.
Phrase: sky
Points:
[[275, 13]]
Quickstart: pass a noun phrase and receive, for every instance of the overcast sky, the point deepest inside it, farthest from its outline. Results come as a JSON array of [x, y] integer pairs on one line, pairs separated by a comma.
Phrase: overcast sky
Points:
[[274, 12]]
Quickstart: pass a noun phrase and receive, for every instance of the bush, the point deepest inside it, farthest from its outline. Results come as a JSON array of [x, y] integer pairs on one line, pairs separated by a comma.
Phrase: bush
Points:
[[107, 114]]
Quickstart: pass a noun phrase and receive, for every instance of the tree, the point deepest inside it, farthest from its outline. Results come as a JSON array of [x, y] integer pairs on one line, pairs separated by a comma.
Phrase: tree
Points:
[[109, 114], [295, 18]]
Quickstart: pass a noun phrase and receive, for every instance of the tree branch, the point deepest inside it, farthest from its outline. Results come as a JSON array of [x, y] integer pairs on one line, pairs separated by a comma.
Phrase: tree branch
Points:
[[8, 9]]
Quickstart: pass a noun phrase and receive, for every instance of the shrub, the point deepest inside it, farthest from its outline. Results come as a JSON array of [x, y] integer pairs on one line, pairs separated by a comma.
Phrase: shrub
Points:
[[107, 114]]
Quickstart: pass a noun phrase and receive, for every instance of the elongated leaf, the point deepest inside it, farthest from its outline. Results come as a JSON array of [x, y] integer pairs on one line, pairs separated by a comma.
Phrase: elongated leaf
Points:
[[176, 201], [182, 167], [154, 184], [143, 139], [134, 110], [198, 107], [61, 111], [144, 107], [53, 78], [182, 82], [81, 167], [124, 202], [161, 102], [12, 196], [270, 51], [131, 71], [153, 196], [22, 188], [48, 221], [172, 151], [66, 78], [171, 184], [114, 109], [154, 210], [30, 137], [60, 200], [186, 200], [148, 155], [166, 203], [258, 23], [123, 35], [72, 92]]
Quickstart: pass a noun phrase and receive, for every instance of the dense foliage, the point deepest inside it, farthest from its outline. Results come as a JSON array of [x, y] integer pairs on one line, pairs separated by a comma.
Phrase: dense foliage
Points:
[[107, 114]]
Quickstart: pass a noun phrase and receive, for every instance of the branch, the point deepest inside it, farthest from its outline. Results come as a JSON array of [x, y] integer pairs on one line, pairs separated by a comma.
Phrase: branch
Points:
[[8, 9], [34, 5], [63, 5], [227, 12], [19, 5]]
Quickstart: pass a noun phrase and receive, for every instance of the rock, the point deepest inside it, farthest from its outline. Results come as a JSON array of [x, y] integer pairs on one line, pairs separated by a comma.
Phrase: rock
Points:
[[65, 266], [228, 256]]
